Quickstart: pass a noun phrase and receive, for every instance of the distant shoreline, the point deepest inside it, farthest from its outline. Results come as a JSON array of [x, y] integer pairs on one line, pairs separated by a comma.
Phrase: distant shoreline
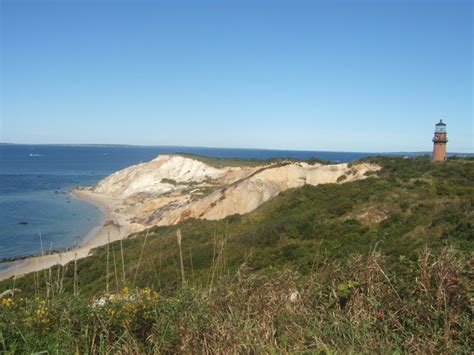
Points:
[[181, 147], [118, 228]]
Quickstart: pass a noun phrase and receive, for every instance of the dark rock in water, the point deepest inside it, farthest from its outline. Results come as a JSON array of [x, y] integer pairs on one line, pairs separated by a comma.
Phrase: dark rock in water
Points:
[[23, 222]]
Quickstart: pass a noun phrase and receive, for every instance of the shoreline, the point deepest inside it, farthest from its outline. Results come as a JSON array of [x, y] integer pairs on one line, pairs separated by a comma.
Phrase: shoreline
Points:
[[100, 235]]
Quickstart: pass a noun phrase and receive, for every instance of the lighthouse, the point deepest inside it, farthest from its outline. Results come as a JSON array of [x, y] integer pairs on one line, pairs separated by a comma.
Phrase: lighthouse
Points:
[[439, 141]]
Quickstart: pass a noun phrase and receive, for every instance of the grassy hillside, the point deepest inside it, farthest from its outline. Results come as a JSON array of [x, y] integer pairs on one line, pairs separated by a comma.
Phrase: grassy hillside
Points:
[[370, 265]]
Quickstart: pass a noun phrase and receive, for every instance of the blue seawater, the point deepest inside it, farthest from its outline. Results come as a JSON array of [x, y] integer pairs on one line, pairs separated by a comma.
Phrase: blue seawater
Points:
[[35, 184]]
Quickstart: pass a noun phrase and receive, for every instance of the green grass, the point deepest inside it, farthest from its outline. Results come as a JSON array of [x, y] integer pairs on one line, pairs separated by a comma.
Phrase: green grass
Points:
[[316, 240], [240, 162], [343, 307]]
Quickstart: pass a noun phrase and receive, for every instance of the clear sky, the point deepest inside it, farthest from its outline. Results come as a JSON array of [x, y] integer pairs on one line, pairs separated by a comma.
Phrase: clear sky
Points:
[[314, 75]]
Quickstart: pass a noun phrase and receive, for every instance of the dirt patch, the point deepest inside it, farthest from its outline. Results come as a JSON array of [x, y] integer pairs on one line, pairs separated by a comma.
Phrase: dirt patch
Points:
[[373, 216]]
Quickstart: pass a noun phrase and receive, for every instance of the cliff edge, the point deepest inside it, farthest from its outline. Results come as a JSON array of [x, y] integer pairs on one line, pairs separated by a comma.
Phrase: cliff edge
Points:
[[172, 188]]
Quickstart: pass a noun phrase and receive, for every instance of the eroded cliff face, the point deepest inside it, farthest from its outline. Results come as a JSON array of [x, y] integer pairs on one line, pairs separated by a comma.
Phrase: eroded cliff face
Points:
[[172, 188]]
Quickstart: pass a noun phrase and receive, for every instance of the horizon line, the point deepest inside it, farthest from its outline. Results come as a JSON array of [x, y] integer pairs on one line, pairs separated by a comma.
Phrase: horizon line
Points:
[[229, 148]]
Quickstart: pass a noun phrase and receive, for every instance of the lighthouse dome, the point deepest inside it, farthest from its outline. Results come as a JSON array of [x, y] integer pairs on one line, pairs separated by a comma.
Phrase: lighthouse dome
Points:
[[440, 127]]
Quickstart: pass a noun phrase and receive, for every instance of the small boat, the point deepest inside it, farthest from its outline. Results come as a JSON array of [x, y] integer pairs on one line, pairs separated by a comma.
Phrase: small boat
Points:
[[23, 221]]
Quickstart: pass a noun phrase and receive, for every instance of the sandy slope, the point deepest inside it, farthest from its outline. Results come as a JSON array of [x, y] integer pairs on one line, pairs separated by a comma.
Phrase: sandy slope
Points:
[[172, 188]]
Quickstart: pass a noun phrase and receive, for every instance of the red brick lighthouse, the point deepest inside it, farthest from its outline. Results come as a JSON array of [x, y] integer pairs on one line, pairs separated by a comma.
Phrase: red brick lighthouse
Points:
[[440, 139]]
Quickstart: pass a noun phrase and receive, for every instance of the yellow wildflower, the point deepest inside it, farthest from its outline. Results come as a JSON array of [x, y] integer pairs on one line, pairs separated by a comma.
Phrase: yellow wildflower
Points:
[[7, 302], [128, 307]]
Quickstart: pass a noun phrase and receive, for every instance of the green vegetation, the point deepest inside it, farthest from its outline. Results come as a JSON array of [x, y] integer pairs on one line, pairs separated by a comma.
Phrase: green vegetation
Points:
[[169, 181], [177, 183], [378, 265], [226, 162], [239, 162]]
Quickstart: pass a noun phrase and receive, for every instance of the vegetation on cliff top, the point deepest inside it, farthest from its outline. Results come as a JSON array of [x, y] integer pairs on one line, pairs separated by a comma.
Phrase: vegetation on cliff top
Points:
[[375, 265], [241, 162]]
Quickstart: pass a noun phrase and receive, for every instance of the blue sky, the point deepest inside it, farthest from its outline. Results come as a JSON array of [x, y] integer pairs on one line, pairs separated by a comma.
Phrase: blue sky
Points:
[[313, 75]]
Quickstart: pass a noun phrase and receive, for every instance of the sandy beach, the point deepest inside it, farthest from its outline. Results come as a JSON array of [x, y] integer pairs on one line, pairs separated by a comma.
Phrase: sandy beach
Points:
[[115, 227]]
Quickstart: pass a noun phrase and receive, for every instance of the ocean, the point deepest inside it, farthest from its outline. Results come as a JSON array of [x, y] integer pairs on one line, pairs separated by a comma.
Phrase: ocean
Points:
[[38, 212]]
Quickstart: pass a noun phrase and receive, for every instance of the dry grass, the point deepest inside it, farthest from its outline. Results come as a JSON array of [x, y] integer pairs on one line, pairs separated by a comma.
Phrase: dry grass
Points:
[[356, 306]]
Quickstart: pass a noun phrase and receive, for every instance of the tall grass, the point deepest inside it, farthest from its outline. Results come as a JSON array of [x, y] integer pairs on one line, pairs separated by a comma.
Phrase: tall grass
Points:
[[140, 258], [356, 306], [179, 238]]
